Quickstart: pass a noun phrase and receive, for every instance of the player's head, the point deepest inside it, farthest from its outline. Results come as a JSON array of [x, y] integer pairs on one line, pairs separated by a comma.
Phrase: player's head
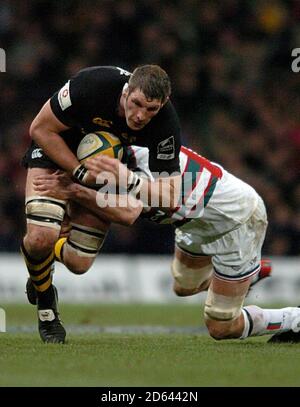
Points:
[[148, 90], [152, 80]]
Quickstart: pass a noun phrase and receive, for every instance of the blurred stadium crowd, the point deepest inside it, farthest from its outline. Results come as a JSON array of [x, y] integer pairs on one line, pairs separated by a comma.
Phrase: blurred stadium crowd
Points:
[[233, 87]]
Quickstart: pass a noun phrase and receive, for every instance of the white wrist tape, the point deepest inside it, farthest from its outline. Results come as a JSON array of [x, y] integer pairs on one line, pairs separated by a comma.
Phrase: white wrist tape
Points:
[[80, 173], [134, 183]]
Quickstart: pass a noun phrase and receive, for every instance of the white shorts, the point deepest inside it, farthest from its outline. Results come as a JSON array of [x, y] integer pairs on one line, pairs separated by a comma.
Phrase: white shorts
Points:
[[237, 253]]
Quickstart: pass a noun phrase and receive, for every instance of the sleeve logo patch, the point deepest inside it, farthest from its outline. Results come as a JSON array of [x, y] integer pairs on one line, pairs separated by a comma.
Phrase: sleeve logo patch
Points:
[[166, 149], [64, 99]]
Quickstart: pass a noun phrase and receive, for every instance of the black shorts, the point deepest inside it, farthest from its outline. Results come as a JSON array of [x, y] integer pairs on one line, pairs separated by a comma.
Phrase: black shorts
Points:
[[36, 158]]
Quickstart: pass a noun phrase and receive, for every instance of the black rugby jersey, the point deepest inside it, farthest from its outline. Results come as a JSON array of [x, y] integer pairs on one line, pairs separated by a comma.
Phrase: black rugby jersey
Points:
[[90, 100]]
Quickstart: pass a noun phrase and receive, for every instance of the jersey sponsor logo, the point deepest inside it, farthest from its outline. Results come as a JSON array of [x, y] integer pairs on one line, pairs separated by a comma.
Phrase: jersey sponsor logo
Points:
[[166, 149], [37, 153], [64, 99], [102, 122]]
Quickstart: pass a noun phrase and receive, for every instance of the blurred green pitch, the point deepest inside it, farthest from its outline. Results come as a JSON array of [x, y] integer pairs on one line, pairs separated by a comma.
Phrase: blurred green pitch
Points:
[[132, 358]]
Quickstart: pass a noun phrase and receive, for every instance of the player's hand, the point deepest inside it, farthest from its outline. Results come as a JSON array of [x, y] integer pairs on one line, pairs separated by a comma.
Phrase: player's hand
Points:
[[57, 185], [108, 170]]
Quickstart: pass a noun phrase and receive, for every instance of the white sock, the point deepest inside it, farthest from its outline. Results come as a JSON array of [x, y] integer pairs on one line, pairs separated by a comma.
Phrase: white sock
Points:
[[245, 333], [270, 321]]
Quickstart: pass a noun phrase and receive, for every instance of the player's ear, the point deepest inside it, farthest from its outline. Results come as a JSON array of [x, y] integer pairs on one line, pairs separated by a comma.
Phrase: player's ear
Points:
[[125, 90], [166, 100]]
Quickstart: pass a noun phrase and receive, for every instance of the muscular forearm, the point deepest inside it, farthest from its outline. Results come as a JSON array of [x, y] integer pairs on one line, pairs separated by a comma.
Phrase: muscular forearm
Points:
[[125, 211], [162, 193]]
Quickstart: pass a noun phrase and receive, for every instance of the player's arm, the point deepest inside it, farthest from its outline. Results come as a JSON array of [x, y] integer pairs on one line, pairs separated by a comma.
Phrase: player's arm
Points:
[[45, 130], [162, 193], [120, 209], [61, 112]]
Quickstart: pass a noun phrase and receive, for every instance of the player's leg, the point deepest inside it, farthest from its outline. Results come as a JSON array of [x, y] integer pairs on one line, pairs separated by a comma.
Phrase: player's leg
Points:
[[192, 273], [224, 312], [87, 234], [226, 318], [44, 216], [223, 307]]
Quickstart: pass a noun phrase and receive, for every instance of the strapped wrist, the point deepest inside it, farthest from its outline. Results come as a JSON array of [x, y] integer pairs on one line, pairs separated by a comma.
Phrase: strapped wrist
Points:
[[80, 173], [134, 183]]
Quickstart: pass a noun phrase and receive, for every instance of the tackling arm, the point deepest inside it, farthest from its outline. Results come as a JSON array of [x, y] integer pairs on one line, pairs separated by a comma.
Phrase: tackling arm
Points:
[[125, 210], [161, 193]]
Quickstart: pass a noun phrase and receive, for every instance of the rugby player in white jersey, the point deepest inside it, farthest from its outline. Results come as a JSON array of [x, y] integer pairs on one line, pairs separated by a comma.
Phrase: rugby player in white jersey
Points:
[[220, 228]]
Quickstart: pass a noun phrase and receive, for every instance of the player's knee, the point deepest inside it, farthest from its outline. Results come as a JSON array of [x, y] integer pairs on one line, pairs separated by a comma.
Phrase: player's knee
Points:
[[219, 329], [190, 281], [40, 241], [45, 211], [82, 247], [184, 292], [44, 216], [220, 314], [78, 265], [179, 291], [222, 311], [85, 242]]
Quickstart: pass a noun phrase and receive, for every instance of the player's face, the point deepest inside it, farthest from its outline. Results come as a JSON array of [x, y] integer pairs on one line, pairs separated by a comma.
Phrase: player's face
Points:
[[139, 110]]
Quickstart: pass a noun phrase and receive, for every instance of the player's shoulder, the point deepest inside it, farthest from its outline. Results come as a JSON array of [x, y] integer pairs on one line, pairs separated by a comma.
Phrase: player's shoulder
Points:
[[88, 81], [103, 72], [168, 115], [166, 122]]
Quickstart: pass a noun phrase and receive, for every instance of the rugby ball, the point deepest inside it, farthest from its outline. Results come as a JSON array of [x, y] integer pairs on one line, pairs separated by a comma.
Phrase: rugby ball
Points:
[[100, 142]]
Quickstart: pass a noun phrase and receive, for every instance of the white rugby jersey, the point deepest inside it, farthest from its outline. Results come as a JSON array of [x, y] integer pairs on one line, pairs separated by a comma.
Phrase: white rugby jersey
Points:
[[213, 201]]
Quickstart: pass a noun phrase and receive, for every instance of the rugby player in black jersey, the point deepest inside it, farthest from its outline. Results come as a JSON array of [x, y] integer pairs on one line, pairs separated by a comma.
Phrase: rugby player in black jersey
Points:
[[136, 108]]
